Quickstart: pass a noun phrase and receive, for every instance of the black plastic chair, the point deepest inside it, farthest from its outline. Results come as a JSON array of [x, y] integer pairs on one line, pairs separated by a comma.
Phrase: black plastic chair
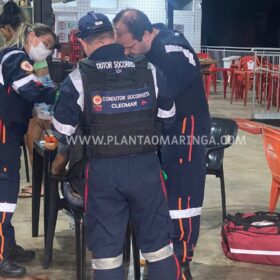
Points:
[[59, 70], [222, 135], [77, 213], [22, 144]]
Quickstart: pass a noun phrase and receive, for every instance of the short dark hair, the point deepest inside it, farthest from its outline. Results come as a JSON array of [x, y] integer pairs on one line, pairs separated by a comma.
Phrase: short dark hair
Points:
[[43, 29], [136, 22], [100, 35], [12, 16]]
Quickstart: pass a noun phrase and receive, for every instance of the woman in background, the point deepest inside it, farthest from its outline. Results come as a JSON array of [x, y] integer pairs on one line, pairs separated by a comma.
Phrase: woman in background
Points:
[[10, 20], [19, 90]]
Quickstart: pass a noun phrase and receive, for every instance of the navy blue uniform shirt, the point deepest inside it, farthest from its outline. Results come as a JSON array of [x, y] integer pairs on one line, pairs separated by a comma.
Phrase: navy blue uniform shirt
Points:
[[173, 55], [70, 105], [19, 87]]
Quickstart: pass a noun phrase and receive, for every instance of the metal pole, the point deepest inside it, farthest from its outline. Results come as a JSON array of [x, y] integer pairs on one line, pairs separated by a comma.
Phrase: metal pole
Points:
[[43, 11], [37, 8], [170, 15], [254, 87]]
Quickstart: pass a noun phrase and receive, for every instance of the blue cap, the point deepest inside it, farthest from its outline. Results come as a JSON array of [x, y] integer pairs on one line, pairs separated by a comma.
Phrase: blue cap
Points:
[[93, 23]]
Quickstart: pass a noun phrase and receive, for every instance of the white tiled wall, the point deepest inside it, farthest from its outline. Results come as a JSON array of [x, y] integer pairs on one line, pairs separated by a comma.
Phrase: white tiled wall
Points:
[[155, 10]]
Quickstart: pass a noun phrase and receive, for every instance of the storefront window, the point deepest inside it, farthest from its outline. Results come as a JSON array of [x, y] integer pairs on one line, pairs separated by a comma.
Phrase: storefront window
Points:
[[108, 4]]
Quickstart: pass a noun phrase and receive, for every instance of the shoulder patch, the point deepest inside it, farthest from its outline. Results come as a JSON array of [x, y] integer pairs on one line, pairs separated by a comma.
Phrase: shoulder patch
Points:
[[26, 66]]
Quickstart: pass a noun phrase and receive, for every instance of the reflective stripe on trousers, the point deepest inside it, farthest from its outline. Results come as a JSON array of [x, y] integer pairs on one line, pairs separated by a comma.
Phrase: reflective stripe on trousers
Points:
[[185, 213], [107, 263], [160, 254]]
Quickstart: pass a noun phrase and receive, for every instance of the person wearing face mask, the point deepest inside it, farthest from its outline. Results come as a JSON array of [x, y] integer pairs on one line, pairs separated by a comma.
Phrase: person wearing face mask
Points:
[[19, 90], [41, 114], [39, 52], [10, 20]]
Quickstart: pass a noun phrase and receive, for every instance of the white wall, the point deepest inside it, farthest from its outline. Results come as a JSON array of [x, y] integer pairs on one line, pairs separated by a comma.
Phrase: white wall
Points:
[[155, 9]]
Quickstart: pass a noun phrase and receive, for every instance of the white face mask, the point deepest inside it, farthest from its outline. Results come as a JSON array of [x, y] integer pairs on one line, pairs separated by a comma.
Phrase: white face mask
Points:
[[39, 52]]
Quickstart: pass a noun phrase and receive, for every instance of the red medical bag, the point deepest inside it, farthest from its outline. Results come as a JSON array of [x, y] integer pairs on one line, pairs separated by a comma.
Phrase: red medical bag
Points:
[[252, 237]]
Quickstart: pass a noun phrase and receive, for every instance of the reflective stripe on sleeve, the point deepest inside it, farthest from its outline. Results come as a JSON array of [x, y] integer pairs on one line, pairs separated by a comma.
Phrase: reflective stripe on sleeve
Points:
[[254, 252], [185, 213], [65, 129], [159, 255], [7, 207], [107, 263], [154, 72], [163, 114], [76, 79], [187, 53], [21, 82]]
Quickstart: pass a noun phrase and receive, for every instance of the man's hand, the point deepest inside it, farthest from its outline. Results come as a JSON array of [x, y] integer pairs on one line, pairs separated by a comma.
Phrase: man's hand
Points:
[[58, 165]]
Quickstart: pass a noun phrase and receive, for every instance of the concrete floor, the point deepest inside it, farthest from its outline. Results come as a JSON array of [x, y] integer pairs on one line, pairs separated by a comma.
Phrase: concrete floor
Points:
[[247, 187]]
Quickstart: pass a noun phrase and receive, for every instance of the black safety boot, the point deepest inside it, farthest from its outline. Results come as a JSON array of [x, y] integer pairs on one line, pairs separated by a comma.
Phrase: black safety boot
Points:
[[18, 254], [10, 269], [186, 272]]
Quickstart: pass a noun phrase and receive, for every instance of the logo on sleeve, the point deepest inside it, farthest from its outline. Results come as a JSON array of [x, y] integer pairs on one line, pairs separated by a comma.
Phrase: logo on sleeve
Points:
[[26, 66]]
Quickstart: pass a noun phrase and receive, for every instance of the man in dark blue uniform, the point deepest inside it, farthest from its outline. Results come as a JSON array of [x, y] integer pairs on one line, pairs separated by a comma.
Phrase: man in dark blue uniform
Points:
[[118, 102], [19, 90], [184, 163]]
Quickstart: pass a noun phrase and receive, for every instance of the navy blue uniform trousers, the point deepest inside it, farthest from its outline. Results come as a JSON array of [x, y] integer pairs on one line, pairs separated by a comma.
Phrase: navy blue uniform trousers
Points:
[[119, 188], [185, 193], [9, 183], [185, 166]]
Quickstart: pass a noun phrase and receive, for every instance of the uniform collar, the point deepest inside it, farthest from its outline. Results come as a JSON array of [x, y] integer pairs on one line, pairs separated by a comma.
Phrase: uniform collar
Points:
[[158, 45], [107, 52]]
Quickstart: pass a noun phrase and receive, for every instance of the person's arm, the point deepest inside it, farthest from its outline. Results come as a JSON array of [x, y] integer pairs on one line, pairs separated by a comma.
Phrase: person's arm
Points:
[[67, 111], [165, 100], [65, 120], [178, 65], [18, 73], [61, 160]]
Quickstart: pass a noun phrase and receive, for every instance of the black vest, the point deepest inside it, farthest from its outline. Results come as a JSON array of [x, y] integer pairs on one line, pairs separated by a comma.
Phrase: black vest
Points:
[[119, 108]]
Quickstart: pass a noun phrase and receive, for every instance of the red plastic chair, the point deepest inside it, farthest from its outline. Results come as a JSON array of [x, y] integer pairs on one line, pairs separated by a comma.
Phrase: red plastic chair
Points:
[[76, 52], [249, 126], [242, 78], [273, 88], [208, 75], [271, 143], [212, 76]]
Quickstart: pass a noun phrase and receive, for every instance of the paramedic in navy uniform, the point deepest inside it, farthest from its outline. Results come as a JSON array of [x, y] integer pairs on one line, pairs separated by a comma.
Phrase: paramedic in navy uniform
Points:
[[115, 98], [184, 164], [19, 90]]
